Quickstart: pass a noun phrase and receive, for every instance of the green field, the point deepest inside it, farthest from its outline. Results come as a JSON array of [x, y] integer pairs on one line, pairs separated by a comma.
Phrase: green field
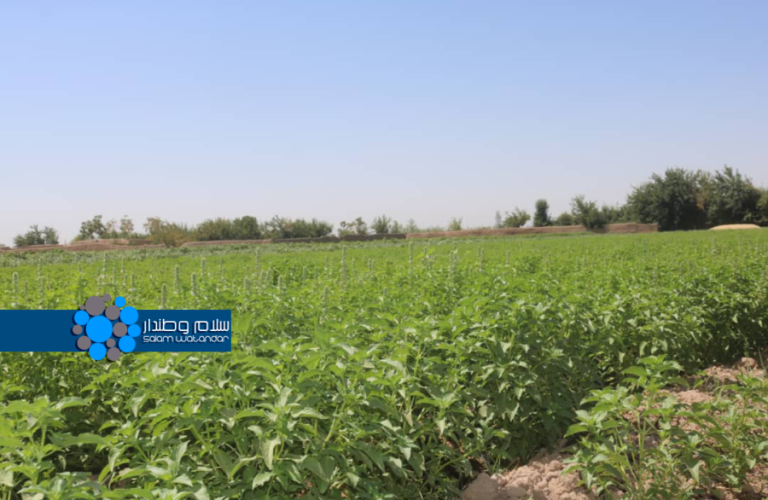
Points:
[[371, 370]]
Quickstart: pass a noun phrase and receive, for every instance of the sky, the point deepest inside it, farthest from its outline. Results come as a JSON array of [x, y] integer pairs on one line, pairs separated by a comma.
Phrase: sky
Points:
[[418, 109]]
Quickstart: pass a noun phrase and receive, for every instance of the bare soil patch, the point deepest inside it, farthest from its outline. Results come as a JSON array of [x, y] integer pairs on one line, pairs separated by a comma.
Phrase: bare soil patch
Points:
[[734, 226], [543, 478]]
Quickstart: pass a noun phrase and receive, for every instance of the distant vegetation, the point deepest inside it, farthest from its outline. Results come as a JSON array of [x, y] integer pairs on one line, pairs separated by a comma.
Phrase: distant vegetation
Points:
[[677, 200], [37, 236]]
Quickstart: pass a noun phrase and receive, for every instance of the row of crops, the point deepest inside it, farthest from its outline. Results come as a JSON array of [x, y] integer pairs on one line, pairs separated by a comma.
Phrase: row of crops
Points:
[[375, 371]]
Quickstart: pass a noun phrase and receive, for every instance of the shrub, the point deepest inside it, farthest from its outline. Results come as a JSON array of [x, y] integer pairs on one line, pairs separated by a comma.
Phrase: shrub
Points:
[[381, 225], [92, 229], [731, 198], [518, 218], [541, 215], [166, 233], [455, 224], [564, 219], [214, 230], [674, 201], [37, 236], [587, 214], [357, 226]]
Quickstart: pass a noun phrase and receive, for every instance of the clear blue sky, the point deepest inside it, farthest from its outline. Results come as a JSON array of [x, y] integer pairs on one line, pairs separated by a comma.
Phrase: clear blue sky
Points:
[[338, 109]]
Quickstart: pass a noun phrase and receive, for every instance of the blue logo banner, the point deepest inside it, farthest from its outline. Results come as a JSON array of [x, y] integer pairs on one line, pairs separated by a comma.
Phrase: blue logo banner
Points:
[[107, 329]]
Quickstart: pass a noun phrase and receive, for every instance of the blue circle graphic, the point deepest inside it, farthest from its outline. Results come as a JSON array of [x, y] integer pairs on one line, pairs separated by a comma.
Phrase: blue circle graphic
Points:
[[97, 351], [134, 330], [129, 315], [120, 301], [127, 344], [99, 329], [81, 317]]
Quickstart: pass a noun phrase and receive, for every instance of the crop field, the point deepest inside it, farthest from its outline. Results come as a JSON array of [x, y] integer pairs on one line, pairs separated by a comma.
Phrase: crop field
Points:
[[380, 370]]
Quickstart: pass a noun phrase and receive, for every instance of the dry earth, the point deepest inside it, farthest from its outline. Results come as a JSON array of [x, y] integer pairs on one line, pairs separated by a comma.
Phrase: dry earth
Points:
[[543, 479], [734, 226]]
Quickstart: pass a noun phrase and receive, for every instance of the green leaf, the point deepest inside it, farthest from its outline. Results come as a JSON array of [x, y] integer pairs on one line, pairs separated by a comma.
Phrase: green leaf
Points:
[[322, 468], [637, 371], [6, 478], [70, 402], [261, 479], [268, 450], [575, 429]]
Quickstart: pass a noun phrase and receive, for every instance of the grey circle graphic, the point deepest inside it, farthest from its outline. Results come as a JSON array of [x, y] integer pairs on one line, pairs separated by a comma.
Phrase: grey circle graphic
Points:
[[110, 342], [77, 330], [119, 330], [84, 343], [82, 308], [107, 297], [113, 312], [113, 354], [94, 306]]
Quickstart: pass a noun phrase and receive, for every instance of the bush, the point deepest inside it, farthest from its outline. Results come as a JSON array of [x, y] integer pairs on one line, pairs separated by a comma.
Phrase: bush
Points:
[[455, 224], [37, 236], [587, 214], [215, 230], [166, 233], [246, 228], [357, 226], [541, 215], [564, 219], [518, 218], [308, 229], [762, 209], [381, 225], [731, 198], [674, 201], [91, 229]]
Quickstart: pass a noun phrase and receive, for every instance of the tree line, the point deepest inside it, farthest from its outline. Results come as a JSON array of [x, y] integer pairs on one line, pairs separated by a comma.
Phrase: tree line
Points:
[[679, 199]]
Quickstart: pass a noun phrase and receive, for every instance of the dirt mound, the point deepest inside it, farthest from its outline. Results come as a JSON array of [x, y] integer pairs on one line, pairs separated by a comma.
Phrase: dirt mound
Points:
[[541, 479], [734, 226]]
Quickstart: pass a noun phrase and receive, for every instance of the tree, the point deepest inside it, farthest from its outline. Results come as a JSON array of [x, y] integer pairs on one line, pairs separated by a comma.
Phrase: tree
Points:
[[110, 229], [762, 208], [215, 230], [564, 219], [314, 228], [357, 226], [50, 236], [126, 227], [411, 227], [455, 224], [91, 229], [731, 198], [246, 228], [614, 213], [498, 222], [37, 236], [518, 218], [167, 233], [381, 224], [278, 227], [586, 213], [397, 228], [541, 215], [284, 228], [675, 200]]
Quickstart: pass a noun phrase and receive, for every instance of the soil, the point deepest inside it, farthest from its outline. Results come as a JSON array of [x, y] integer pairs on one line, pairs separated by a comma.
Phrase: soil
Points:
[[734, 226], [543, 479]]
